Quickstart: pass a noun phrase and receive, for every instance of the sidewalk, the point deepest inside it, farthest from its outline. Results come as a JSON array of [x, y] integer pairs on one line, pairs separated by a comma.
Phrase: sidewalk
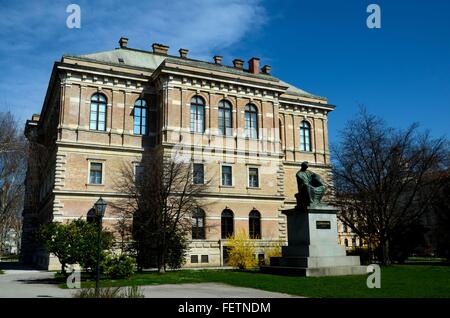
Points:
[[23, 282]]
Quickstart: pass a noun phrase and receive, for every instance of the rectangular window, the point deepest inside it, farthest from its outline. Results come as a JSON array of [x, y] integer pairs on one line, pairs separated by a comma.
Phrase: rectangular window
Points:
[[96, 173], [138, 173], [198, 175], [227, 177], [253, 177], [261, 259], [194, 258], [205, 259]]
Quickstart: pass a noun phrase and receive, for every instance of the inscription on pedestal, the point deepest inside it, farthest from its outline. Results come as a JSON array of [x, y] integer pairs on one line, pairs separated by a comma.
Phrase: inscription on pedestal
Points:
[[323, 225]]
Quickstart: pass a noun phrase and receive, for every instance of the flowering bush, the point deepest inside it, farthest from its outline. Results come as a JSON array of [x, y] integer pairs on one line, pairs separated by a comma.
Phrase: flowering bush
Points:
[[241, 251]]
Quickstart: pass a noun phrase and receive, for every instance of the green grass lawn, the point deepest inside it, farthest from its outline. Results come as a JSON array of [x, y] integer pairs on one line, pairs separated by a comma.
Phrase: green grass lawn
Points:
[[1, 272], [396, 281]]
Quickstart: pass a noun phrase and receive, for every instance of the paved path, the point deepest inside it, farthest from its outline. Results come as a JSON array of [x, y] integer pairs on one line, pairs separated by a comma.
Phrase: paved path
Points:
[[22, 282], [206, 290]]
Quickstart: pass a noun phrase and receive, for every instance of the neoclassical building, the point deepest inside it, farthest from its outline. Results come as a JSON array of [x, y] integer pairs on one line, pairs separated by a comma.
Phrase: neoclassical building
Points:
[[242, 128]]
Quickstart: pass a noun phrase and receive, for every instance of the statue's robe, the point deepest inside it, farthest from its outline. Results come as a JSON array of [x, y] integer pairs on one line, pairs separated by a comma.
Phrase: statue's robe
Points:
[[310, 188]]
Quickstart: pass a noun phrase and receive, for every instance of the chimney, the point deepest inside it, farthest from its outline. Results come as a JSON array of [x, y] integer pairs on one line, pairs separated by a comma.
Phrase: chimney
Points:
[[238, 63], [253, 65], [183, 53], [123, 42], [160, 48], [217, 59], [266, 69], [35, 117]]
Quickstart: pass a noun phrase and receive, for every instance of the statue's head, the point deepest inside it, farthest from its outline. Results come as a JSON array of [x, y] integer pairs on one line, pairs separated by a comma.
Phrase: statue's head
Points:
[[304, 165]]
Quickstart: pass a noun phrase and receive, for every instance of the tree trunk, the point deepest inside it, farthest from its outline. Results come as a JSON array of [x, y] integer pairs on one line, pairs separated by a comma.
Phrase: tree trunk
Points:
[[63, 270], [385, 253], [161, 261]]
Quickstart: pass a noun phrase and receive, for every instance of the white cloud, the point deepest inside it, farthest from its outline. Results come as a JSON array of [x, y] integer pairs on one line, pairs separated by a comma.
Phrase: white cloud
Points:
[[34, 34]]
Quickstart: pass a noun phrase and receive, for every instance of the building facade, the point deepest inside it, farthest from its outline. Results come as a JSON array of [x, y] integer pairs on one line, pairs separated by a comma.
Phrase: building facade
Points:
[[241, 127]]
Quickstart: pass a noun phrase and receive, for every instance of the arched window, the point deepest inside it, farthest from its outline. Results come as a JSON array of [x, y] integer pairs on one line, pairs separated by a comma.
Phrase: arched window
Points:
[[98, 112], [197, 114], [227, 223], [354, 242], [140, 117], [305, 136], [254, 223], [251, 121], [344, 228], [198, 224], [225, 118], [346, 242]]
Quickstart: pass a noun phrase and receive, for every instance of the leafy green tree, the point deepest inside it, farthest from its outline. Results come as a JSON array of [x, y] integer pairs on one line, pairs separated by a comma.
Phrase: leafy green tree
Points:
[[74, 242], [59, 239]]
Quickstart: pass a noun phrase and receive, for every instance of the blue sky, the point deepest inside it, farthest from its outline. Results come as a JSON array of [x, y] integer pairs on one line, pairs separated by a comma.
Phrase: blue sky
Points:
[[400, 72]]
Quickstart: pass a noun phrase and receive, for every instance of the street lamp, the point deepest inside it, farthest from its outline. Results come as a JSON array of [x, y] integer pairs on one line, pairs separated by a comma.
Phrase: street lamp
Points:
[[99, 209]]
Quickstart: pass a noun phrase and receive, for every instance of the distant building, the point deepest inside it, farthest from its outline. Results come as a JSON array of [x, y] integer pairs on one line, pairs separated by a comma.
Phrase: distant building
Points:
[[107, 108], [9, 245], [348, 238]]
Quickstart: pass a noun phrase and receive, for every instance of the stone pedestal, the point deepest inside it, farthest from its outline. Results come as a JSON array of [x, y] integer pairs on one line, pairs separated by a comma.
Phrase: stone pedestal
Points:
[[313, 248]]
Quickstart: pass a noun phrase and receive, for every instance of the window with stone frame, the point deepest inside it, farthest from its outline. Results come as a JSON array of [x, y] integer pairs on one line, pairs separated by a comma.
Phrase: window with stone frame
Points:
[[97, 120], [227, 176], [253, 177], [227, 224], [198, 174], [198, 224], [96, 173], [254, 223], [225, 118], [305, 136], [140, 113], [251, 121], [197, 114]]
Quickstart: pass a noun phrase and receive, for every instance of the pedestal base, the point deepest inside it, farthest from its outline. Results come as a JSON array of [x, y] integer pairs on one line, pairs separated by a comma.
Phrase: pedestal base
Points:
[[313, 248], [315, 272]]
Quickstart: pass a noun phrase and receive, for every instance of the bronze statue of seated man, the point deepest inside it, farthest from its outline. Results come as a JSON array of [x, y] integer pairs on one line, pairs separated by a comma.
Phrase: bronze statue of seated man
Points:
[[310, 187]]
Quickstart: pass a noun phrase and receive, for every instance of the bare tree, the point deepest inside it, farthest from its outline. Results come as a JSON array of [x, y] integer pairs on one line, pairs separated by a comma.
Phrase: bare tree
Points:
[[161, 198], [12, 175], [385, 179]]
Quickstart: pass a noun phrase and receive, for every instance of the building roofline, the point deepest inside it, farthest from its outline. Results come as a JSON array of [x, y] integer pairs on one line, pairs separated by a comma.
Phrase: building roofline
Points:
[[183, 59]]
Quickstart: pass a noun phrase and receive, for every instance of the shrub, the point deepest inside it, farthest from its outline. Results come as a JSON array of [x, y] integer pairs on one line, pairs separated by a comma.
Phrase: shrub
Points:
[[271, 251], [241, 251], [110, 292], [118, 266], [133, 292]]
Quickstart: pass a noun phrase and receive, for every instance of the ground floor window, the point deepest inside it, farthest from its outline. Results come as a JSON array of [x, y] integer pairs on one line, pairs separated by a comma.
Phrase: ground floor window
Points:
[[227, 223]]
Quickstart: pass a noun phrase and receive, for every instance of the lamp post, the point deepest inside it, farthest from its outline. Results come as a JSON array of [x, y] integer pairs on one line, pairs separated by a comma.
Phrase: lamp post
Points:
[[99, 208]]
